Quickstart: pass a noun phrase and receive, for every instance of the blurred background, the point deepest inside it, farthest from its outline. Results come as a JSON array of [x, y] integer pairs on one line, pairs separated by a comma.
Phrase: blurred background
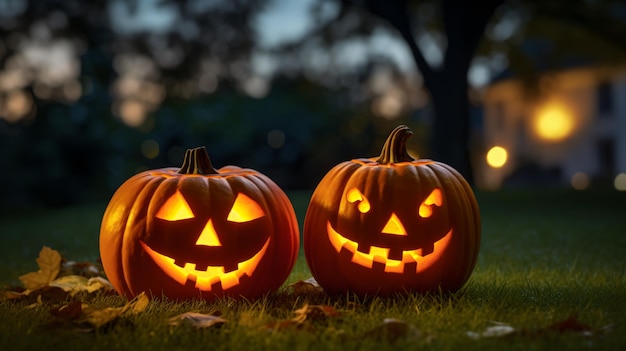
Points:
[[511, 93]]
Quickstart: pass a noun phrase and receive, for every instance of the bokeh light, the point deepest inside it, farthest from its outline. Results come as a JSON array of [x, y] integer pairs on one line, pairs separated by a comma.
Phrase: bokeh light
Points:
[[620, 182], [553, 122], [579, 181], [497, 156]]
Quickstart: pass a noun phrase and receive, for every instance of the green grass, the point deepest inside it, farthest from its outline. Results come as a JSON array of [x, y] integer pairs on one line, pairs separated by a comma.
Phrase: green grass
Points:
[[545, 255]]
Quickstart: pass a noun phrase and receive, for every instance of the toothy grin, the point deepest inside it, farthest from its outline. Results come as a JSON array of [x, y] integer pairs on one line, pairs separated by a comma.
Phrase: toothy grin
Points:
[[205, 278], [381, 255]]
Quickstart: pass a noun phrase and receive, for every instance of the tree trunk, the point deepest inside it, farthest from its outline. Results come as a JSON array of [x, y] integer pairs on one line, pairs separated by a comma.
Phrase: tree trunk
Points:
[[449, 141], [464, 24]]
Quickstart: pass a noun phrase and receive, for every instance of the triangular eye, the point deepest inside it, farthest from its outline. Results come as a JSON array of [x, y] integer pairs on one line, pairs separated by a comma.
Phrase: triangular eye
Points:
[[175, 208], [434, 199], [354, 195], [245, 210]]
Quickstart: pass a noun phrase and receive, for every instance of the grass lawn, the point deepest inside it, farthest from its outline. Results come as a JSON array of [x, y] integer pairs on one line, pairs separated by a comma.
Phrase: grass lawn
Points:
[[545, 255]]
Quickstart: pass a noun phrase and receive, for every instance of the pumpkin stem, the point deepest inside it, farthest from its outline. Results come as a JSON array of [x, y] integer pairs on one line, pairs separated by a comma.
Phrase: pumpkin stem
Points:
[[197, 161], [394, 149]]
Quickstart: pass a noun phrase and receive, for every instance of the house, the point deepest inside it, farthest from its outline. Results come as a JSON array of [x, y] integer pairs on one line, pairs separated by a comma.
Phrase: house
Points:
[[567, 128]]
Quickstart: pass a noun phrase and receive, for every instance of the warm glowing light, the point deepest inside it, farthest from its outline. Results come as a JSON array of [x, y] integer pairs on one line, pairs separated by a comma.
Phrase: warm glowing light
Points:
[[620, 182], [211, 275], [381, 255], [390, 105], [133, 113], [17, 105], [208, 237], [244, 210], [497, 156], [579, 181], [355, 195], [554, 122], [435, 198], [394, 226], [175, 209]]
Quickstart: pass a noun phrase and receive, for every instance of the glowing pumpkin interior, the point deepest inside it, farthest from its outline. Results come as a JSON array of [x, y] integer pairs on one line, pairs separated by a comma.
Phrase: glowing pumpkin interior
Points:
[[176, 208], [418, 259]]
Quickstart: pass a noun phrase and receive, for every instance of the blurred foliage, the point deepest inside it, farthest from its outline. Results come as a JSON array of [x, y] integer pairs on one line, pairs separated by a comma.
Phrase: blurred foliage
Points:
[[79, 152]]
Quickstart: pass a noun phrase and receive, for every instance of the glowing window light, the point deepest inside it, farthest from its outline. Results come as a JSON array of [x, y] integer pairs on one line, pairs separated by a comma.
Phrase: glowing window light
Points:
[[554, 122], [497, 156], [620, 182], [579, 181]]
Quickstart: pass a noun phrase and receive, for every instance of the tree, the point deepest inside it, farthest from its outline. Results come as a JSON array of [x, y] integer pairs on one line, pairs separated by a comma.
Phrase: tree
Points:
[[580, 28]]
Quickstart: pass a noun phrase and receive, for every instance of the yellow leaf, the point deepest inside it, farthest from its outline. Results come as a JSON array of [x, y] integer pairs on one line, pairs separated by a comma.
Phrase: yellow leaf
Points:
[[49, 262], [75, 284], [99, 317]]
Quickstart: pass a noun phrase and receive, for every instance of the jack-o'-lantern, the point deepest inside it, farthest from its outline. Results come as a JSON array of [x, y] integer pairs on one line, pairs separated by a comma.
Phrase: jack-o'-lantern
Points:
[[198, 232], [392, 224]]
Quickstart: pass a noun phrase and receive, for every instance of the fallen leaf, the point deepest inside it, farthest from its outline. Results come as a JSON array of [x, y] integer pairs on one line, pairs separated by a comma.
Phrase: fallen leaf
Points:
[[493, 331], [68, 312], [309, 286], [99, 317], [197, 320], [11, 295], [85, 269], [314, 312], [571, 324], [74, 284], [49, 262], [46, 294], [392, 330], [303, 317]]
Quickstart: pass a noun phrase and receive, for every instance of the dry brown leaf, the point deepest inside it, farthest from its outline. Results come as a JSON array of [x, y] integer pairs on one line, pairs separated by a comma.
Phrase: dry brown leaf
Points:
[[74, 284], [314, 313], [197, 320], [304, 316], [309, 286], [99, 317], [46, 294], [68, 312], [85, 269], [49, 262], [11, 295]]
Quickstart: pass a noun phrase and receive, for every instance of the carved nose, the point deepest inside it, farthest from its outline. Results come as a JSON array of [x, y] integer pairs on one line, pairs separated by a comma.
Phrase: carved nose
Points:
[[394, 226], [208, 237]]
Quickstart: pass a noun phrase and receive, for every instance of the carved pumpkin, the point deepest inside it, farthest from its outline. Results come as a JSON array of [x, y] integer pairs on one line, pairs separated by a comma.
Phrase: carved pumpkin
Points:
[[392, 224], [197, 232]]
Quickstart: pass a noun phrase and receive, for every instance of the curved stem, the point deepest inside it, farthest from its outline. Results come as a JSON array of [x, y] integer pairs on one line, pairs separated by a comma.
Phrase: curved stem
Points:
[[197, 161], [394, 149]]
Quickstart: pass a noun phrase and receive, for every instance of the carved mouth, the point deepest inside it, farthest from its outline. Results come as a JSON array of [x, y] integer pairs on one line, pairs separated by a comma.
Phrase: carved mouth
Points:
[[381, 255], [212, 275]]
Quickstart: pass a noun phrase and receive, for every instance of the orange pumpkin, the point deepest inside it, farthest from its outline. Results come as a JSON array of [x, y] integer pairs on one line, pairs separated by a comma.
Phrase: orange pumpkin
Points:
[[392, 224], [197, 232]]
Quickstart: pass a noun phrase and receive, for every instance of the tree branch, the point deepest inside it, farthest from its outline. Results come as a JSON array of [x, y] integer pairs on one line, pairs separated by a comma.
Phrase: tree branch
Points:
[[396, 14]]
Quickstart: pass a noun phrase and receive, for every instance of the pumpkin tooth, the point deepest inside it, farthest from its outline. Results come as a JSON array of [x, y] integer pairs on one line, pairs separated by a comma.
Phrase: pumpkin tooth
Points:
[[231, 267], [427, 249], [180, 264]]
